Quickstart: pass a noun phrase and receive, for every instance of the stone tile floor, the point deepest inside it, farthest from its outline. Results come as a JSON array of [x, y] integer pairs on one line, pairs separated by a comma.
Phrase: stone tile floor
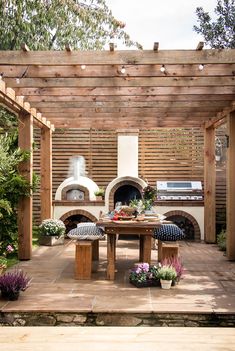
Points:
[[208, 285]]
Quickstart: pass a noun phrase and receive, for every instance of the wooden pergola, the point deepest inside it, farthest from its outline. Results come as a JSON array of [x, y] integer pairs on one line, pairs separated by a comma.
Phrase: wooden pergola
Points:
[[121, 89]]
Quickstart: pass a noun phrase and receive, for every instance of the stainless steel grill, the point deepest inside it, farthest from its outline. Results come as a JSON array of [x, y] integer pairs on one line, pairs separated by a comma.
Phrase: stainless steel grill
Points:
[[179, 190]]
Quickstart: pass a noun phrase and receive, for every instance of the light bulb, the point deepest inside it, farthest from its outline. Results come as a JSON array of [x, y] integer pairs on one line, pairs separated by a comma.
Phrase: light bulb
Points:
[[123, 70], [83, 66], [17, 80], [163, 69], [201, 67]]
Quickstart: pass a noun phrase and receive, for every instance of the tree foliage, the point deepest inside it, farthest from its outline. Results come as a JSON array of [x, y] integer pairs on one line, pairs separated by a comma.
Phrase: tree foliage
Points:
[[220, 33], [51, 24], [12, 185]]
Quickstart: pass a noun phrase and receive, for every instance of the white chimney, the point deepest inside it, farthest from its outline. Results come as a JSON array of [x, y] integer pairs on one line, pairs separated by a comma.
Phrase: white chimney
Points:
[[127, 152]]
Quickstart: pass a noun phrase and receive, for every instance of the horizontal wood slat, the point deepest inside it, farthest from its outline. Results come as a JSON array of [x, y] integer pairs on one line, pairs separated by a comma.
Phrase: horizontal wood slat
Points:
[[175, 154]]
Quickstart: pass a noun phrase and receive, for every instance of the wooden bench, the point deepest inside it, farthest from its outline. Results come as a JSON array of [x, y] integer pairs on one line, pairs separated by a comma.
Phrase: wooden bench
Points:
[[167, 250], [86, 253]]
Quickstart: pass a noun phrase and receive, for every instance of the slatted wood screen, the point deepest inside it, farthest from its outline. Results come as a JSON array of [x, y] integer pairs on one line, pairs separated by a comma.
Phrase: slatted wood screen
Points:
[[221, 180], [99, 149], [175, 154]]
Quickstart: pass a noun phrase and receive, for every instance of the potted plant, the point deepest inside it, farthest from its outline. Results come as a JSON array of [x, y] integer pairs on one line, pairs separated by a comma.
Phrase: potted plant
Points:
[[176, 263], [99, 194], [11, 283], [149, 195], [51, 232], [166, 274], [144, 275]]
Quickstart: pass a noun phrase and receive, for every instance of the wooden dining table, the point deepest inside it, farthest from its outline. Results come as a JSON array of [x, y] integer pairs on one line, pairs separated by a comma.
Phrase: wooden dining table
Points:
[[131, 227]]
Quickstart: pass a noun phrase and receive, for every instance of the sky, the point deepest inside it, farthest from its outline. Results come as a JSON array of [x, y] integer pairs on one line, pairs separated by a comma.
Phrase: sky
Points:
[[169, 22]]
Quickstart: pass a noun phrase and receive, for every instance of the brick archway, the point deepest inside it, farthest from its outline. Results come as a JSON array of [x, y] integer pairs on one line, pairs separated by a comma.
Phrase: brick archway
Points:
[[79, 212], [118, 185], [197, 232]]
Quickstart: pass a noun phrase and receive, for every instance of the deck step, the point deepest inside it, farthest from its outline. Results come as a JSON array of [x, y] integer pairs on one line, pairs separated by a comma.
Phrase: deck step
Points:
[[116, 338]]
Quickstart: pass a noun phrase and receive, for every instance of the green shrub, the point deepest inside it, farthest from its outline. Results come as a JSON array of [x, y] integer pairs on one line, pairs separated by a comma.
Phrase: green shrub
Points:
[[221, 240]]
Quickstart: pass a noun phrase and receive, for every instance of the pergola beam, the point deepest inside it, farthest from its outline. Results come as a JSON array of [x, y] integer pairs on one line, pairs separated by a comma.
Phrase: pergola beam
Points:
[[121, 82], [17, 105], [124, 57], [153, 70]]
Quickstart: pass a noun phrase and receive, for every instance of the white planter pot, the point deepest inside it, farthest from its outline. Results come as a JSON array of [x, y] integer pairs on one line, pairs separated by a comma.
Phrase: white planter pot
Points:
[[166, 284], [46, 240]]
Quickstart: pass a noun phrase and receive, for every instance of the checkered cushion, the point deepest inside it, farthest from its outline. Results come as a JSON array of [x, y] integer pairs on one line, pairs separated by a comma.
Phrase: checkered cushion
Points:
[[168, 232], [86, 231]]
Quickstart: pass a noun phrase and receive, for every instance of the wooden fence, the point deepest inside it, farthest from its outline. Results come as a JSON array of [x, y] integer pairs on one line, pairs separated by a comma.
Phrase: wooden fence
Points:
[[175, 154]]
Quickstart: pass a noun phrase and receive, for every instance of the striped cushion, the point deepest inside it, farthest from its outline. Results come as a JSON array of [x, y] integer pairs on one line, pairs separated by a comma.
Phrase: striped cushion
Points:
[[168, 232], [86, 231]]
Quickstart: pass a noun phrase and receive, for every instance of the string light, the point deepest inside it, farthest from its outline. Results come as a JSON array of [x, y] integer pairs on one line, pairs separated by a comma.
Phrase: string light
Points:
[[163, 69], [201, 67], [123, 70], [83, 67], [17, 80]]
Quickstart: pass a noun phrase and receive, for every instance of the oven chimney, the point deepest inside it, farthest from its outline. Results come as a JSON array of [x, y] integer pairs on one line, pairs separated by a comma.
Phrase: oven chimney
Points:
[[127, 140]]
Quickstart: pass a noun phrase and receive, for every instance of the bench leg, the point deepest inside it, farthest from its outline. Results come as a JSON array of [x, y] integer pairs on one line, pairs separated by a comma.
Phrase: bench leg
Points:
[[83, 260], [95, 250]]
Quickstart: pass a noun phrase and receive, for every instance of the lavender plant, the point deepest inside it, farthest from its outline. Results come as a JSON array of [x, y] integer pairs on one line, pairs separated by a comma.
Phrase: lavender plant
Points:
[[13, 282]]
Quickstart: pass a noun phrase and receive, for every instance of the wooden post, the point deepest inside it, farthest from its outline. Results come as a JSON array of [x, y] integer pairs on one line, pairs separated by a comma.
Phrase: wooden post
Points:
[[231, 188], [25, 215], [46, 173], [209, 185]]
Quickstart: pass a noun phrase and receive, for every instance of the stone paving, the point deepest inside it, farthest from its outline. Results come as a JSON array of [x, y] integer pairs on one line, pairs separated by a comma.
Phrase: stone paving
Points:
[[208, 285]]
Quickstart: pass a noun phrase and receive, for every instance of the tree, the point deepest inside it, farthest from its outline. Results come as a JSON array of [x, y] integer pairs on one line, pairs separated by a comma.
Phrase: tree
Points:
[[51, 24], [218, 34], [12, 185]]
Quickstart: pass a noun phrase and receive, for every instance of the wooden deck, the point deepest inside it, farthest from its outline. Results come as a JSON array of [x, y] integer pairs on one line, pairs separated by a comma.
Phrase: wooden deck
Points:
[[116, 338], [207, 289]]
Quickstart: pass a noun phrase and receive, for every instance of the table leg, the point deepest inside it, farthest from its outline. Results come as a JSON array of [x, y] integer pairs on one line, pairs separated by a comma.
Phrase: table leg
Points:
[[141, 248], [146, 248], [111, 256], [159, 250]]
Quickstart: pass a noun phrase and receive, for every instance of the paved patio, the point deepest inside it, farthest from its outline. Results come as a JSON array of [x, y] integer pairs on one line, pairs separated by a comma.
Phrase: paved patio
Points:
[[208, 285]]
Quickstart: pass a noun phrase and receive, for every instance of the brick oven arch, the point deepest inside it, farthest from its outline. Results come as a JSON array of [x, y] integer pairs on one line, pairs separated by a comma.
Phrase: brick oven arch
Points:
[[197, 232], [79, 212], [118, 185]]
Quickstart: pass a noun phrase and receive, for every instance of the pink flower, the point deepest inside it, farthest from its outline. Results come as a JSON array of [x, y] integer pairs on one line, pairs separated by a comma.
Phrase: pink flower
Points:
[[9, 248]]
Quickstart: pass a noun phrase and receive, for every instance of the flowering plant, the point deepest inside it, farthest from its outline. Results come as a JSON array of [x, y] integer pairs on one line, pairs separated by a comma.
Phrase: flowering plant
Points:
[[177, 264], [3, 255], [52, 227], [149, 193], [166, 273], [12, 282], [143, 273]]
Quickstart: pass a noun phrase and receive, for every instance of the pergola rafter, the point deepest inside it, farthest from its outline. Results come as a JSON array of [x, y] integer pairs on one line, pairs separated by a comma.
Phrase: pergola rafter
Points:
[[128, 89], [91, 87]]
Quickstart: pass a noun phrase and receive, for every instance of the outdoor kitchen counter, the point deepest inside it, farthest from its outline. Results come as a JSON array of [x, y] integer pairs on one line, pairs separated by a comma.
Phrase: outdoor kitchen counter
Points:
[[130, 227]]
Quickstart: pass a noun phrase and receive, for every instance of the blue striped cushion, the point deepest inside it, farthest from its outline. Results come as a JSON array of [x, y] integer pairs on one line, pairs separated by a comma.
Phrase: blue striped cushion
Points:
[[168, 232], [86, 231]]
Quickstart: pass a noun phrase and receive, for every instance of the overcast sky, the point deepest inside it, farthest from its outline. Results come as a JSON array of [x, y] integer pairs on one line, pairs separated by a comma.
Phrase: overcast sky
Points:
[[169, 22]]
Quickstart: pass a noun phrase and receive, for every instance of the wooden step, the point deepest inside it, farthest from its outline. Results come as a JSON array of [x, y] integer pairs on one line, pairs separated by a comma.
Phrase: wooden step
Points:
[[116, 338]]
